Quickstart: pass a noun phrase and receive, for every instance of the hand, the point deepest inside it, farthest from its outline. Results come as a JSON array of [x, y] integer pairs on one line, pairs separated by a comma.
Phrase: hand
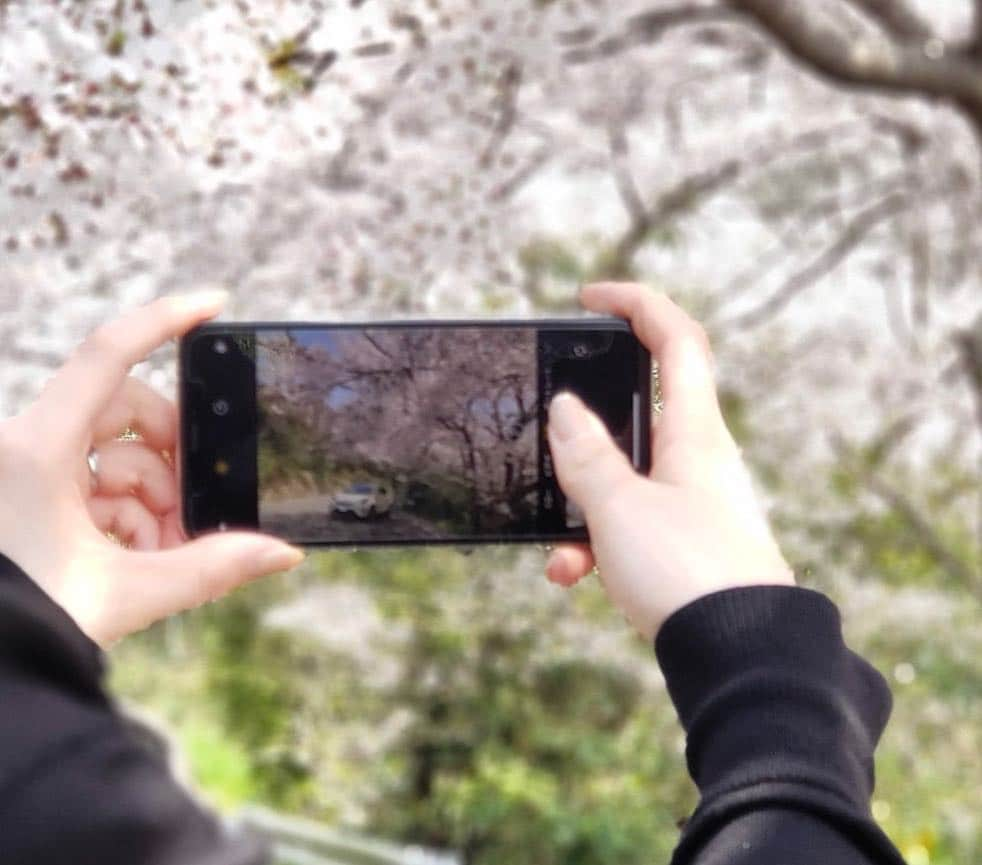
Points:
[[54, 512], [694, 526]]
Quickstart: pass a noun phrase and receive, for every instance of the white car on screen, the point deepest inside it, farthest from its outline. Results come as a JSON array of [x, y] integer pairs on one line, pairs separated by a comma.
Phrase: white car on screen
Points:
[[364, 500]]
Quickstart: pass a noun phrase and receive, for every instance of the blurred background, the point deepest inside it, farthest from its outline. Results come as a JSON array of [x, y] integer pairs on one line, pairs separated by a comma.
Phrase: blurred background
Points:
[[805, 178]]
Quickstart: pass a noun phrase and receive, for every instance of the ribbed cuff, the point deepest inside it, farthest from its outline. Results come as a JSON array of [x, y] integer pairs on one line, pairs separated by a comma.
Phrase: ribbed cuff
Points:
[[766, 688], [719, 636]]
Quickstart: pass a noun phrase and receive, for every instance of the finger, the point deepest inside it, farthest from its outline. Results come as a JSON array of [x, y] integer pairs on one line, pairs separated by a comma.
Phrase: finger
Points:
[[654, 317], [197, 572], [138, 407], [82, 389], [127, 519], [131, 468], [681, 348], [590, 467], [171, 531], [569, 563]]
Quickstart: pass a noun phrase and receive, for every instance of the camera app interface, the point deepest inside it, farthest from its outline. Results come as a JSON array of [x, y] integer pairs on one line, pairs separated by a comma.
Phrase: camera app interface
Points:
[[427, 433]]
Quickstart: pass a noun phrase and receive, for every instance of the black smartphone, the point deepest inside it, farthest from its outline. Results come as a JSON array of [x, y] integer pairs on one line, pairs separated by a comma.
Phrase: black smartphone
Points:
[[397, 432]]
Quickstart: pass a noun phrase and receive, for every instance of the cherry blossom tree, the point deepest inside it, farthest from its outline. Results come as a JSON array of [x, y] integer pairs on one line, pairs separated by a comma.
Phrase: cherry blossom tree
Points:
[[805, 177], [413, 405]]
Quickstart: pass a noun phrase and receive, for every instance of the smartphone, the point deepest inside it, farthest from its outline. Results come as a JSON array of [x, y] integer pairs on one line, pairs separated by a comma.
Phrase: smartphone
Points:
[[397, 432]]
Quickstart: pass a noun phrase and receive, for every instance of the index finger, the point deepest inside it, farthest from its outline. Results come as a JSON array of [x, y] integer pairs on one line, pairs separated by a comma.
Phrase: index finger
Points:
[[85, 385], [679, 344]]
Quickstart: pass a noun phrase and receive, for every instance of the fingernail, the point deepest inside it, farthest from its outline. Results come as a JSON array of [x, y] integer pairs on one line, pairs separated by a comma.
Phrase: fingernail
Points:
[[281, 557], [209, 298], [565, 416]]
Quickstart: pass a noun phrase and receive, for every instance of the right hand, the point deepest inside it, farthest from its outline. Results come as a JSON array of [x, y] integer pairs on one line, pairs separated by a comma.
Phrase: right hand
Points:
[[694, 525]]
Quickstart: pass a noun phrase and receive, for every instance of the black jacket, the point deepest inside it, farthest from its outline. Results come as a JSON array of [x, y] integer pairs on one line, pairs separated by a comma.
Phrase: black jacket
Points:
[[782, 721]]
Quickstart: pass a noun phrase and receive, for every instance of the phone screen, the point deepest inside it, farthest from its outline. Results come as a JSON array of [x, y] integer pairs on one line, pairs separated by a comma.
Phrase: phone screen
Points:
[[405, 433]]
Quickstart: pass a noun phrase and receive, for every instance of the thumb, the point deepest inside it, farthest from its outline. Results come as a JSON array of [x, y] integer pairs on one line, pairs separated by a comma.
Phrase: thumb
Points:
[[588, 463], [199, 571]]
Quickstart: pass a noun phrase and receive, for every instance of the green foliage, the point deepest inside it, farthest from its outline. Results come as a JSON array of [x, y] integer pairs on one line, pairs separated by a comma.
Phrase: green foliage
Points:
[[516, 748], [555, 269], [280, 61], [547, 256], [927, 772], [251, 672], [517, 756], [116, 43], [519, 746], [899, 547], [221, 764]]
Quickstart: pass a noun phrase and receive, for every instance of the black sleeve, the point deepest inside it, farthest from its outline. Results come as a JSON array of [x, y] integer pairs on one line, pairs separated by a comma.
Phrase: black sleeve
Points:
[[782, 720], [77, 787]]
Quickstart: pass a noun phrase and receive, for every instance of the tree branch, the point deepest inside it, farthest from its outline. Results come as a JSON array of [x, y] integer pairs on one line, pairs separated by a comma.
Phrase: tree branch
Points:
[[509, 85], [648, 27], [824, 263], [887, 66], [920, 527], [897, 19], [510, 185], [690, 191], [680, 198], [970, 348], [923, 531], [899, 64], [921, 273], [620, 157]]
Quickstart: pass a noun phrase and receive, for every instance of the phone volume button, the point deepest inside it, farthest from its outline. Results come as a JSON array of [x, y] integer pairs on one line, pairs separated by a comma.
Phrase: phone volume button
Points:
[[194, 438]]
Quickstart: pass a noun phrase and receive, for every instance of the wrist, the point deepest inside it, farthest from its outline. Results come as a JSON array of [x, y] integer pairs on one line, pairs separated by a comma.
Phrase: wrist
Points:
[[690, 589]]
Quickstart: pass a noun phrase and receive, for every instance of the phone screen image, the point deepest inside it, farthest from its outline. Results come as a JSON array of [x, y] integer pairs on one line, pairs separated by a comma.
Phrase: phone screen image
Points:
[[411, 433]]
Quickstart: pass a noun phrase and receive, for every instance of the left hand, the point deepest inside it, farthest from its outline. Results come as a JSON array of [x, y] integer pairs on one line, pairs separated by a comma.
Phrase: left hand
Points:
[[54, 513]]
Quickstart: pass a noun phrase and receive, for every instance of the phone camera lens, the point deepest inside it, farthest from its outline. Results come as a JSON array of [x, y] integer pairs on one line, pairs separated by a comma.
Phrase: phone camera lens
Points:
[[220, 346], [220, 407], [581, 349]]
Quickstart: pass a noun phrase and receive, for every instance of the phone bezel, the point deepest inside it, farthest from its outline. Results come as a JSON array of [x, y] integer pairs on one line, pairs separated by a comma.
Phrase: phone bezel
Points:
[[643, 391]]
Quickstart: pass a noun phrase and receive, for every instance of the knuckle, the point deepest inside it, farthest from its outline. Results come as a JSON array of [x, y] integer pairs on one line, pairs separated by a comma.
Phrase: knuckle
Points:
[[165, 308], [641, 300], [701, 336], [100, 344], [129, 515]]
